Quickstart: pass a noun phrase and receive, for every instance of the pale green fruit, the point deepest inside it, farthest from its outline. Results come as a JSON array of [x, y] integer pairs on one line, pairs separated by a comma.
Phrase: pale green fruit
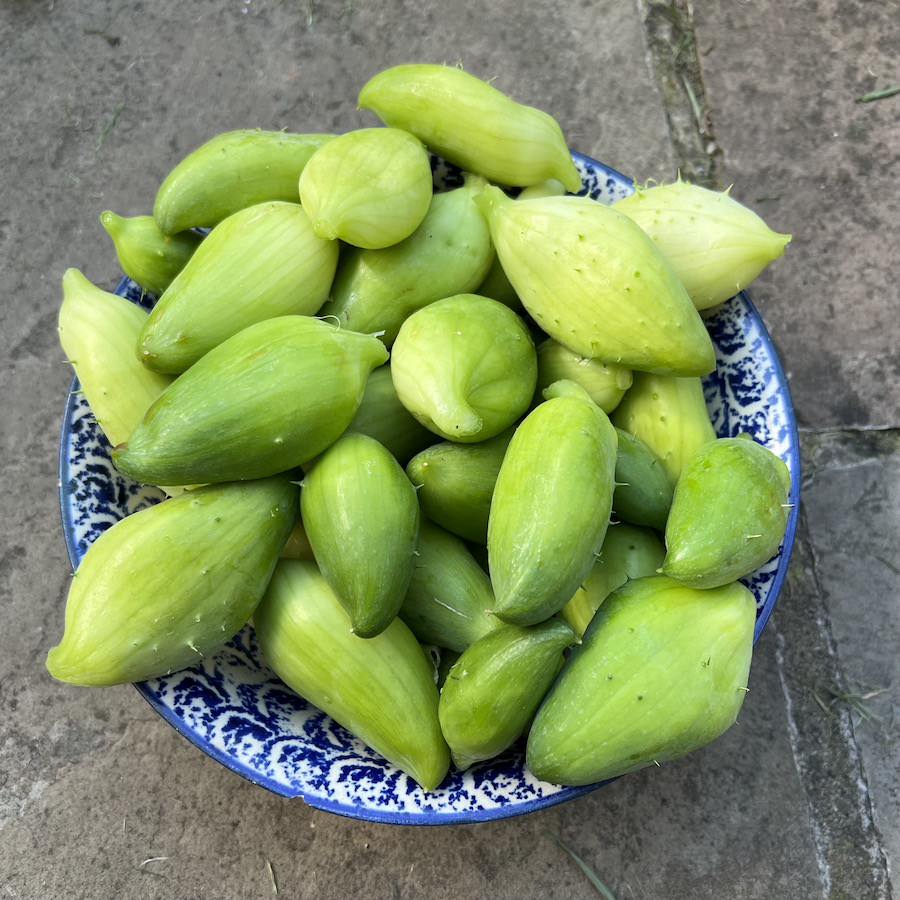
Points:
[[455, 483], [449, 598], [627, 553], [549, 188], [605, 383], [594, 282], [669, 415], [661, 671], [382, 689], [495, 687], [472, 124], [98, 332], [729, 513], [496, 285], [261, 262], [465, 367], [232, 171], [362, 520], [370, 188], [449, 253], [715, 245], [169, 585], [270, 398], [643, 490], [146, 255], [550, 508], [382, 416]]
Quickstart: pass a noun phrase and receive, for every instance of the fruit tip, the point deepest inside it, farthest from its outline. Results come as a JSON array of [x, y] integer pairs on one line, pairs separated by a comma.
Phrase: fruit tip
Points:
[[110, 221], [570, 179]]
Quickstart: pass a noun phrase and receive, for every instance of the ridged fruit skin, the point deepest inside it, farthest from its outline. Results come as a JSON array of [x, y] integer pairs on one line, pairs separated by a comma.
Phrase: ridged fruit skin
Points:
[[381, 689], [264, 401], [465, 367], [98, 332], [669, 415], [643, 489], [449, 598], [605, 383], [362, 519], [496, 285], [472, 124], [662, 670], [628, 552], [232, 171], [382, 416], [729, 513], [449, 253], [594, 282], [715, 245], [260, 263], [370, 188], [495, 687], [550, 509], [455, 483], [146, 255], [170, 584]]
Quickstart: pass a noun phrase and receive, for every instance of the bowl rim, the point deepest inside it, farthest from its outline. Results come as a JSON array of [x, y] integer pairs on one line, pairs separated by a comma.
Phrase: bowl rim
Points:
[[430, 817]]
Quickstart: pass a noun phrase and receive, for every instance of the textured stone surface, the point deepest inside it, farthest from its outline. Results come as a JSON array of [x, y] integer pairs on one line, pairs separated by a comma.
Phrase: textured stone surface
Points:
[[781, 82], [102, 99], [853, 510]]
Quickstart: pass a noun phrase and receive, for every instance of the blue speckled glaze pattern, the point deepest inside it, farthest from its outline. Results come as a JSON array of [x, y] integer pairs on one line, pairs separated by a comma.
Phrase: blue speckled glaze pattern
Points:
[[236, 710]]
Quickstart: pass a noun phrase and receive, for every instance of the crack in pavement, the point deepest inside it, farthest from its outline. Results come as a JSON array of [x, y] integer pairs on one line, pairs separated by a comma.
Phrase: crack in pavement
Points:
[[675, 62], [850, 856]]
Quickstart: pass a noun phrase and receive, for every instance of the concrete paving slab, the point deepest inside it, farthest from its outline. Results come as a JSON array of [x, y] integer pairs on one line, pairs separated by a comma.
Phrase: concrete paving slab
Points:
[[782, 81], [104, 98], [853, 509], [117, 787]]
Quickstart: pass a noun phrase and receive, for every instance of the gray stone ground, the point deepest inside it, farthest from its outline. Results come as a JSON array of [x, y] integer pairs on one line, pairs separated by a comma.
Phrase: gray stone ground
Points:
[[801, 800]]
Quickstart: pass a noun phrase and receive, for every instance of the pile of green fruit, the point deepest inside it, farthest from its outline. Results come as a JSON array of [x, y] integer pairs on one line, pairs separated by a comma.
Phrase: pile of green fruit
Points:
[[545, 362]]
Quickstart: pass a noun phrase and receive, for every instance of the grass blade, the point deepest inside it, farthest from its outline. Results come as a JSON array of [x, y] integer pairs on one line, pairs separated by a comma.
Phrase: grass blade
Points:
[[589, 873], [879, 95]]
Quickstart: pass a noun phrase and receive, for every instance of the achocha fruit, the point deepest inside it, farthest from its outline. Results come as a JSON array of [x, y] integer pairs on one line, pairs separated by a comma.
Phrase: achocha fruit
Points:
[[715, 245], [232, 171], [264, 401], [551, 507], [449, 253], [729, 513], [370, 188], [495, 687], [169, 585], [382, 416], [455, 483], [595, 283], [627, 553], [260, 263], [472, 124], [465, 367], [381, 689], [669, 415], [661, 671], [449, 598], [146, 255], [362, 519], [98, 332]]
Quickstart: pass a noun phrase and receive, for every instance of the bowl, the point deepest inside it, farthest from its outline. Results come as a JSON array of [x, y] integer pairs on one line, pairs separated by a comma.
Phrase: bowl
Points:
[[238, 712]]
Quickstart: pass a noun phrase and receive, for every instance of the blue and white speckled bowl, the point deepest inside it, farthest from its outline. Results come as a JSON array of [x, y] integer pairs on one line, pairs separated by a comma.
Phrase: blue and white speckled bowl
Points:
[[237, 711]]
